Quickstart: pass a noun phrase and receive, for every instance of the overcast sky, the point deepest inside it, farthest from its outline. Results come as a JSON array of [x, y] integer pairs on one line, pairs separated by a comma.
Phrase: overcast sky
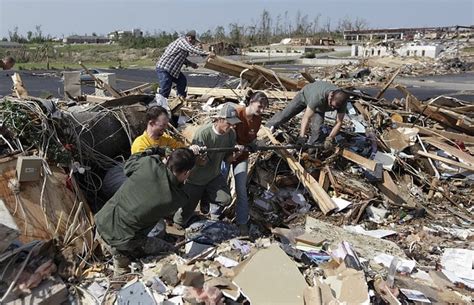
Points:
[[65, 17]]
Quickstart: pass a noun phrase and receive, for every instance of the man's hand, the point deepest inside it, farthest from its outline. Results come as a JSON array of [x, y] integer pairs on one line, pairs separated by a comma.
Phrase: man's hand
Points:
[[194, 65], [201, 159], [328, 143], [238, 153], [212, 55], [196, 149]]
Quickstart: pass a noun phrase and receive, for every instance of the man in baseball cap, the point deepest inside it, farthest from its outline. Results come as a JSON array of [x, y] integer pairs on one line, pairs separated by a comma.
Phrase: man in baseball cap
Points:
[[206, 184]]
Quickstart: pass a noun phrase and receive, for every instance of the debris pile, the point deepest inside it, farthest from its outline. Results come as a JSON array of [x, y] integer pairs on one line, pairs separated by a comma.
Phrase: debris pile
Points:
[[385, 217]]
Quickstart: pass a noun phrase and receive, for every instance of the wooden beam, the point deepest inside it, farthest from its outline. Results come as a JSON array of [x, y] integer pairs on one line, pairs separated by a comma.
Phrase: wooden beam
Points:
[[362, 161], [390, 81], [320, 196], [458, 153], [308, 76], [440, 133], [446, 160], [18, 86], [233, 93]]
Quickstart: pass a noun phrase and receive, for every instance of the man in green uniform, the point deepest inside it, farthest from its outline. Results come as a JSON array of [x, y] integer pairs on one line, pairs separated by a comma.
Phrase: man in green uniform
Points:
[[206, 182], [316, 99], [152, 191]]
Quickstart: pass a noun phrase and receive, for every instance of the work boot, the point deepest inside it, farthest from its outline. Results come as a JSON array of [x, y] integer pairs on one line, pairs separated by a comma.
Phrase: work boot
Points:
[[121, 264]]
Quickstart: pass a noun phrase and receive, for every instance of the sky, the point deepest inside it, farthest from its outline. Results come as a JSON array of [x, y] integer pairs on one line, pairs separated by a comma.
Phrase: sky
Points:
[[65, 17]]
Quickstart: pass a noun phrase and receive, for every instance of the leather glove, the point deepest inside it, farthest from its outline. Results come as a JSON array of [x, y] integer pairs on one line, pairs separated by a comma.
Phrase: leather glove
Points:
[[328, 143]]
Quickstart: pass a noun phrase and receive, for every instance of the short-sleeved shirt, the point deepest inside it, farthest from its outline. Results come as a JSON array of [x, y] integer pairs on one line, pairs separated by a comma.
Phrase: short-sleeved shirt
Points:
[[145, 141], [246, 131], [205, 136], [315, 96]]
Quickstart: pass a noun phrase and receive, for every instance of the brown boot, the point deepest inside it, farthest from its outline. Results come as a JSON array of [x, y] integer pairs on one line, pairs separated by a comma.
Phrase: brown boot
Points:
[[121, 264]]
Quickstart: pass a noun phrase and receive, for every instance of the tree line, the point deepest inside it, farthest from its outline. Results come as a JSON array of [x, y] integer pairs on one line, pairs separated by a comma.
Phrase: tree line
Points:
[[266, 29]]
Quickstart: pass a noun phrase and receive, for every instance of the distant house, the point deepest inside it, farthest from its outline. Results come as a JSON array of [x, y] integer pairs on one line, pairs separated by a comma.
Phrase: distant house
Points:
[[117, 35], [85, 39], [222, 48]]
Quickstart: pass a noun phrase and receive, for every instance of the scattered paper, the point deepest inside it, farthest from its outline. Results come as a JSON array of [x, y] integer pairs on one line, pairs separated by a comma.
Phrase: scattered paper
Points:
[[341, 203], [374, 233], [387, 160], [226, 262], [404, 265], [457, 266], [415, 295]]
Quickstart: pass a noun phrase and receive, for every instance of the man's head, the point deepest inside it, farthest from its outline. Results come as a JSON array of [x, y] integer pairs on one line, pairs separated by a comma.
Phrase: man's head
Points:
[[8, 63], [191, 37], [257, 102], [337, 99], [157, 121], [180, 162], [226, 118]]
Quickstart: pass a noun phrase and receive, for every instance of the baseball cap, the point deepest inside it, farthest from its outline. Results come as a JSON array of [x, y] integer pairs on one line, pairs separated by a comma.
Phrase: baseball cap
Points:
[[228, 113], [193, 34]]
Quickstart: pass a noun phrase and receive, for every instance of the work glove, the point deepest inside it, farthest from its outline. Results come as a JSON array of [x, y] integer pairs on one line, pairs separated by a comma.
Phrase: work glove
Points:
[[196, 149], [328, 143]]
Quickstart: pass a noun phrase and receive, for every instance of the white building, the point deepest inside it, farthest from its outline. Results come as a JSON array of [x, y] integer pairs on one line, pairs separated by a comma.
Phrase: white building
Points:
[[431, 51]]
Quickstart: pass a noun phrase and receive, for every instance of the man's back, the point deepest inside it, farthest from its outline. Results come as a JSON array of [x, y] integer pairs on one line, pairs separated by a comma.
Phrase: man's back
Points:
[[315, 95]]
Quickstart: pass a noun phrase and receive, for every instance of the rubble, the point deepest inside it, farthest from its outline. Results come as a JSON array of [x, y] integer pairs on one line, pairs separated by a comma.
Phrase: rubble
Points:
[[386, 217]]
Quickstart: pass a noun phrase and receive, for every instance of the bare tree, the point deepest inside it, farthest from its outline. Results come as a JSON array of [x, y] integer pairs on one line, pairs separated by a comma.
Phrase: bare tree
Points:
[[327, 25], [361, 24]]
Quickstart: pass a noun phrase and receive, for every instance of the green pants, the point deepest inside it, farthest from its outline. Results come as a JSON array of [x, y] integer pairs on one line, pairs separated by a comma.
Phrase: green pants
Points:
[[216, 193]]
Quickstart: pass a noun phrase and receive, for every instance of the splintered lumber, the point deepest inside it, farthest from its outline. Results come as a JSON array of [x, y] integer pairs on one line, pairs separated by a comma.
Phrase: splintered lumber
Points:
[[257, 76], [390, 81], [362, 161], [102, 84], [320, 196], [458, 153], [446, 117], [18, 87], [446, 160], [390, 189], [440, 133], [235, 93], [308, 76]]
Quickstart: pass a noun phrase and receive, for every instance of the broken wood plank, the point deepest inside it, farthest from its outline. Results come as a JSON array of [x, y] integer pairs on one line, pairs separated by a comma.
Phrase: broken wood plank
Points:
[[452, 150], [308, 76], [18, 86], [323, 180], [362, 161], [101, 83], [390, 189], [234, 93], [446, 160], [390, 81], [323, 200], [440, 133]]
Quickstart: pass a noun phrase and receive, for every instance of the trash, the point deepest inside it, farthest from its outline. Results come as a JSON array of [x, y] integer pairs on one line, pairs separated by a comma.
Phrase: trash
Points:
[[286, 285], [415, 295], [458, 266], [404, 265], [374, 233]]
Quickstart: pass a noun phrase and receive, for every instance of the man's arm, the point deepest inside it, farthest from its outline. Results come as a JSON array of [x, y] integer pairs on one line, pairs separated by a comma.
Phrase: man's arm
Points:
[[185, 45], [337, 126], [308, 114]]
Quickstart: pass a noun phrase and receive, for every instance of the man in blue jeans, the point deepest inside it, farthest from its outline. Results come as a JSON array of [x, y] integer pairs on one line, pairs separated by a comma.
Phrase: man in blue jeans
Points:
[[169, 66]]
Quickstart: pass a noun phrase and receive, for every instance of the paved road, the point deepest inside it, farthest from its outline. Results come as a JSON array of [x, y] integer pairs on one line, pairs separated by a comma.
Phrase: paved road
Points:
[[44, 83]]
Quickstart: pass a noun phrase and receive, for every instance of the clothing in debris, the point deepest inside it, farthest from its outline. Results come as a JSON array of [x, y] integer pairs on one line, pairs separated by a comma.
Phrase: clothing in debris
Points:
[[206, 182], [315, 96], [145, 141], [150, 193], [169, 66]]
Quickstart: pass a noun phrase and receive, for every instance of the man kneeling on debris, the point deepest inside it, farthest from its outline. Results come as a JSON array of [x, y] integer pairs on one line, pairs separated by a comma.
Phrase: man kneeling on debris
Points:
[[206, 182], [317, 98], [152, 191]]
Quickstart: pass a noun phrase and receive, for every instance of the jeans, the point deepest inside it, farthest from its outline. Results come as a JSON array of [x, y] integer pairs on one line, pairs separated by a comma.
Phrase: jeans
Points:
[[216, 193], [166, 81], [240, 178], [294, 107], [242, 205]]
